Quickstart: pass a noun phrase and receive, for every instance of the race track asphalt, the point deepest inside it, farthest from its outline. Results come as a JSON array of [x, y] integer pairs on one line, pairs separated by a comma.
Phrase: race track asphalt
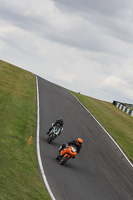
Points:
[[100, 171]]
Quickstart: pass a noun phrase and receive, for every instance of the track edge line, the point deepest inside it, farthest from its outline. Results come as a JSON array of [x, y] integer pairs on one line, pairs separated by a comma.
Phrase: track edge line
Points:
[[38, 145]]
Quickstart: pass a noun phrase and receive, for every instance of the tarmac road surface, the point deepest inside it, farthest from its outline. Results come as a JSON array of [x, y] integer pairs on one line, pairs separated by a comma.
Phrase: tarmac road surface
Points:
[[100, 171]]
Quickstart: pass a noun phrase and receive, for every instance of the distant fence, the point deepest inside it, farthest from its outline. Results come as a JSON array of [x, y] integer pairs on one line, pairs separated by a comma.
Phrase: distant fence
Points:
[[124, 107]]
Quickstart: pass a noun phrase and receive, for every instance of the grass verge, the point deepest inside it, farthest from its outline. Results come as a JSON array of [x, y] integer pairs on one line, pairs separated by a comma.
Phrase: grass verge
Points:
[[115, 121], [19, 176]]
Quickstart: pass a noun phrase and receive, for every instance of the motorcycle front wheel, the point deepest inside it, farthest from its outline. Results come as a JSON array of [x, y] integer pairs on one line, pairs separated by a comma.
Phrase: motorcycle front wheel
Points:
[[58, 156], [49, 139], [64, 160]]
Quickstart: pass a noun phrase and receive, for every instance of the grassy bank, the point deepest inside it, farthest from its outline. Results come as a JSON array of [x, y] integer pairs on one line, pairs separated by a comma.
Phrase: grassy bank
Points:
[[19, 176], [115, 121]]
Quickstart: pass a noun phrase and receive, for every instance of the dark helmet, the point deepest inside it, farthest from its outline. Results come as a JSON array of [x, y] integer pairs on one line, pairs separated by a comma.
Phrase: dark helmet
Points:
[[79, 141], [61, 120]]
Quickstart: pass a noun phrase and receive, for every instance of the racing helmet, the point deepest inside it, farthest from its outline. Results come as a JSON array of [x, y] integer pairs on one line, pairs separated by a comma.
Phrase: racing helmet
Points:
[[61, 121], [79, 141]]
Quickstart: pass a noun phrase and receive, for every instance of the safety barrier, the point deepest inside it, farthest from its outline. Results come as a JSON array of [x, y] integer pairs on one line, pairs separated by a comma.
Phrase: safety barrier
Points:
[[123, 107]]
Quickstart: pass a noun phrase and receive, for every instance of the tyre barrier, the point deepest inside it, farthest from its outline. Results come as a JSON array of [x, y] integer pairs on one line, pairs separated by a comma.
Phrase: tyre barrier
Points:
[[124, 107]]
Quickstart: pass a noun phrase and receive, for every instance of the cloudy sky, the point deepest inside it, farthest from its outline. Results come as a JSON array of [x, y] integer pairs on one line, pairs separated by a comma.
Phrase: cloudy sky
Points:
[[83, 45]]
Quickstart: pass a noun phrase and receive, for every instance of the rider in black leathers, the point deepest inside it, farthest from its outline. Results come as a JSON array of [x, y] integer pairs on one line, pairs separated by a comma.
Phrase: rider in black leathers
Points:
[[59, 123]]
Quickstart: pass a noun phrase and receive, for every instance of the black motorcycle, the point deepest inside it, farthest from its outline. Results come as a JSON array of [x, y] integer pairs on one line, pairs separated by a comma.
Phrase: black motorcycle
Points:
[[54, 133]]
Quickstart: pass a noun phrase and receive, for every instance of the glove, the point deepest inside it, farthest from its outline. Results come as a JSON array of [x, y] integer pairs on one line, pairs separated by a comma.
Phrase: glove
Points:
[[63, 146]]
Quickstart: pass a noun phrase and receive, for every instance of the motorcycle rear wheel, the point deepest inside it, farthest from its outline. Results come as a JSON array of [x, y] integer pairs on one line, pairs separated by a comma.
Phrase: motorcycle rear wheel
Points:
[[64, 160]]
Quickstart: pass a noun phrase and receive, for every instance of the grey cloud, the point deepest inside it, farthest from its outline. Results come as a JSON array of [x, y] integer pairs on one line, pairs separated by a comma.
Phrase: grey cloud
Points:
[[117, 16], [85, 36], [112, 7], [18, 19]]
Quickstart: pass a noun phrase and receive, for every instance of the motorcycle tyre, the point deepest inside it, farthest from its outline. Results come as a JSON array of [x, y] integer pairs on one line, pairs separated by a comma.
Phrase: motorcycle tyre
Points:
[[49, 140], [64, 160], [57, 157]]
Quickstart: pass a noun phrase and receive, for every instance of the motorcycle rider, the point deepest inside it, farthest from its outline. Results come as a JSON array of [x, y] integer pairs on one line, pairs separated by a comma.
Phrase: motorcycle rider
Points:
[[58, 123], [77, 143]]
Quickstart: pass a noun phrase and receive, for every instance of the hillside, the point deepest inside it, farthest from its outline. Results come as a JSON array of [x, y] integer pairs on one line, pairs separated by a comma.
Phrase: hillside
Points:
[[19, 175]]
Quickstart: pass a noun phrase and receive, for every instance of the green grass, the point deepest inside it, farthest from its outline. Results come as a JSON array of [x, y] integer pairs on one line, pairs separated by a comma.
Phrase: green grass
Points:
[[115, 121], [19, 175]]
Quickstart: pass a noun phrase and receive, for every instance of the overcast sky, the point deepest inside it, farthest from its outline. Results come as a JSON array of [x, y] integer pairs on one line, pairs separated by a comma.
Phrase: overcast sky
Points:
[[82, 45]]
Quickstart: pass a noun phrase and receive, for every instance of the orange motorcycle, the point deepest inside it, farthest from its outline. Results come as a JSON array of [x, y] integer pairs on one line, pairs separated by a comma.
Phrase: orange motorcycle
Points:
[[66, 153]]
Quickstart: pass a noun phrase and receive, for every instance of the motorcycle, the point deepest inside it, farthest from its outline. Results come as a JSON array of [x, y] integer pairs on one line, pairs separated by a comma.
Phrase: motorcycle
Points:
[[66, 153], [54, 133]]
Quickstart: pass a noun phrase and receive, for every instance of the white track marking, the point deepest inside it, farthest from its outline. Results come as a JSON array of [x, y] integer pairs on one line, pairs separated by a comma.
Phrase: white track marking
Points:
[[104, 130], [38, 146]]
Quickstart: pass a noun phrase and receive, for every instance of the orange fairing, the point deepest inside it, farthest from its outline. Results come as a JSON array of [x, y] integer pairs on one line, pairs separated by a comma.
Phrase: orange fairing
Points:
[[69, 151]]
